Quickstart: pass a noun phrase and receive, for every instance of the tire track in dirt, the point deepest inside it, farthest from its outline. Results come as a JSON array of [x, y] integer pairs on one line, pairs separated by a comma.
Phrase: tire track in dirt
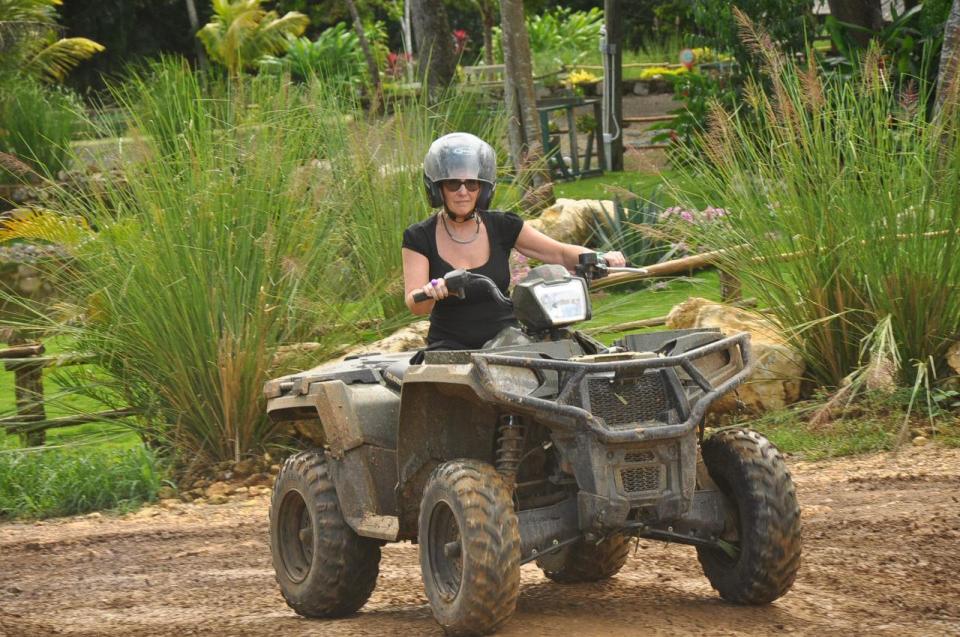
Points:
[[881, 539]]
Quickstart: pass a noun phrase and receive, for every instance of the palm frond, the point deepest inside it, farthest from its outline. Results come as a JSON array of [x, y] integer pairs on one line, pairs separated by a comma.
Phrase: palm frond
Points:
[[28, 10], [41, 224], [272, 36], [55, 60]]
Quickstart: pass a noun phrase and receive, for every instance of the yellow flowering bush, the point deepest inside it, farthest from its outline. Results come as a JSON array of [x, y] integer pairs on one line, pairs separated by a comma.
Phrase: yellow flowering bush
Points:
[[580, 77], [661, 72]]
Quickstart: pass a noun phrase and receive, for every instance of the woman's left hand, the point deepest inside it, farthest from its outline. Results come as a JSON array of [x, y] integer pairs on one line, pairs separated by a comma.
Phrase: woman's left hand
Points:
[[615, 259]]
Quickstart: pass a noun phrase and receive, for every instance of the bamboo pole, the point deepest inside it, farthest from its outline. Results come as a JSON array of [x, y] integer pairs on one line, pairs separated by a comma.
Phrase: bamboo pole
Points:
[[693, 262], [656, 321], [22, 351], [30, 424]]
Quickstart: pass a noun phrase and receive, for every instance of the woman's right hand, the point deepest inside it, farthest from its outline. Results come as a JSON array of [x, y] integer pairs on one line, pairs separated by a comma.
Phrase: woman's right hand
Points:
[[436, 289]]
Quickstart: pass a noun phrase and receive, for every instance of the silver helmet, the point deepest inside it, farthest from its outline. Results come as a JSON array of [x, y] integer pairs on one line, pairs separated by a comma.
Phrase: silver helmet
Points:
[[460, 156]]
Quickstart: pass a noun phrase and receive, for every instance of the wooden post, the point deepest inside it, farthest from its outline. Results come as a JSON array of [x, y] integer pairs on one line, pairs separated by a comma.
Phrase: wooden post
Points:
[[614, 91], [28, 389], [730, 287], [28, 380]]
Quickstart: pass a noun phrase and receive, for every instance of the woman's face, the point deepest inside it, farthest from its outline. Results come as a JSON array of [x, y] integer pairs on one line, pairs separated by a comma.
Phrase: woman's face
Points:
[[460, 195]]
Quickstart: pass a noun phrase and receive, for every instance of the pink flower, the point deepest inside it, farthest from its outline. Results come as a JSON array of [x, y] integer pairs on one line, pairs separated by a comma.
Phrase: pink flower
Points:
[[686, 215], [669, 212]]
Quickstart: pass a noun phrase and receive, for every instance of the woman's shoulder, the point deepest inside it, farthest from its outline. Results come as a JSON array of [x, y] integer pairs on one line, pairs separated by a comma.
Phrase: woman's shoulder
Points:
[[427, 224], [417, 235], [501, 216], [507, 224]]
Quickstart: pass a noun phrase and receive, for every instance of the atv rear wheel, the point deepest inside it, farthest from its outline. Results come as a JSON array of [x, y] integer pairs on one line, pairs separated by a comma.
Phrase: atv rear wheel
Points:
[[751, 473], [589, 562], [323, 567], [469, 548]]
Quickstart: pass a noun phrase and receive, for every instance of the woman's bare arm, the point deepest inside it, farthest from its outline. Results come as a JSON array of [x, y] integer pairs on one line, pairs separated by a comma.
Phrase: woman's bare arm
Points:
[[536, 245]]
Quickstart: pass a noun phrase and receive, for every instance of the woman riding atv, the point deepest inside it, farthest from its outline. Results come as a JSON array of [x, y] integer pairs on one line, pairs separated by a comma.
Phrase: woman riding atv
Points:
[[460, 174]]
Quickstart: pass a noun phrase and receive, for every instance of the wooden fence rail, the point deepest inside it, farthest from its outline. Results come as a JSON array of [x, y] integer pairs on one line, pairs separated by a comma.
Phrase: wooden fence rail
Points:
[[30, 422]]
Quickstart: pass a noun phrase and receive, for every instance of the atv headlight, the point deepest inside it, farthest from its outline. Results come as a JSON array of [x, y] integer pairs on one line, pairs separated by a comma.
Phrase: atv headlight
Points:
[[564, 302], [515, 380]]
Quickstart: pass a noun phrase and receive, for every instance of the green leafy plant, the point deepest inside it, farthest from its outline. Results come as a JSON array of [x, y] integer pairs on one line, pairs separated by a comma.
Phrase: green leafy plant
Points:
[[786, 22]]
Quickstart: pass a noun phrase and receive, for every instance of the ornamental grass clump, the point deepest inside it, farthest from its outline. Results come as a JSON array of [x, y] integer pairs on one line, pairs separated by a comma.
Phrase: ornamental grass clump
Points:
[[842, 209], [258, 213]]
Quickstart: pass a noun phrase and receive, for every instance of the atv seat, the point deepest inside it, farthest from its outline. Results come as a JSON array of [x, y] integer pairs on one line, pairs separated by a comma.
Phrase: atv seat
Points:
[[393, 373]]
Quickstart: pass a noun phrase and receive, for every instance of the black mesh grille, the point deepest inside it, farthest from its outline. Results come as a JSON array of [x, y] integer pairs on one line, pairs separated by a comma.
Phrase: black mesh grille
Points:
[[640, 479], [639, 456], [630, 400]]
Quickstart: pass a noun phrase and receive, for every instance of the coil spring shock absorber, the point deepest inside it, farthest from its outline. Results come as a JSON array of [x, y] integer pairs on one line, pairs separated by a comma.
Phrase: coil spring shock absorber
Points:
[[510, 436]]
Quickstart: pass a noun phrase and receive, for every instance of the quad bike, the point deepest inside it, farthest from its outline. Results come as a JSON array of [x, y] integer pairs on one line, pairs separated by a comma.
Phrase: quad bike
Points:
[[544, 446]]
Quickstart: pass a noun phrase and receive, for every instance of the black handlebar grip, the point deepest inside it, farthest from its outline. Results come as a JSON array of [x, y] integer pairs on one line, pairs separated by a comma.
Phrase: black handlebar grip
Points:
[[420, 297]]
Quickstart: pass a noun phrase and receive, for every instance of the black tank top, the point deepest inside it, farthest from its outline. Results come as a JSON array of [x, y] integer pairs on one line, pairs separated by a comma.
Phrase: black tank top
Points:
[[472, 321]]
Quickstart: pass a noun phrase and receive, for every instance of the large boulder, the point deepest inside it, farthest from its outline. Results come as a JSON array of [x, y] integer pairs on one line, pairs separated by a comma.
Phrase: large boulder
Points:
[[775, 382], [953, 358], [406, 339], [573, 220]]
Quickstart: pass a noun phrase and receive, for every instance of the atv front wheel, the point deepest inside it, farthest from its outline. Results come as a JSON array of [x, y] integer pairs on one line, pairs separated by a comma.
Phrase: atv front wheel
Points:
[[469, 548], [589, 562], [764, 547], [323, 567]]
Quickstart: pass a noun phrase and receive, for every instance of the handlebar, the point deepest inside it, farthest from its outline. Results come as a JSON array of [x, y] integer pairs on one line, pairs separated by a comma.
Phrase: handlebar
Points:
[[591, 266], [457, 282]]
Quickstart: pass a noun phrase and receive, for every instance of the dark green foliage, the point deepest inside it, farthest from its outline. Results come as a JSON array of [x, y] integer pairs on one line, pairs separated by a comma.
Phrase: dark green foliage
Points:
[[130, 30], [910, 43], [788, 23]]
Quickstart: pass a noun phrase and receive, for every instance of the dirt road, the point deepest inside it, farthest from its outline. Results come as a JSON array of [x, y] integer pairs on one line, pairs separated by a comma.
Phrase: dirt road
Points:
[[881, 557]]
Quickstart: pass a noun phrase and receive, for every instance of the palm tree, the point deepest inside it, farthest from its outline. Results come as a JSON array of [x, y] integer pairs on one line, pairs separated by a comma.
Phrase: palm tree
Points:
[[29, 42], [241, 32]]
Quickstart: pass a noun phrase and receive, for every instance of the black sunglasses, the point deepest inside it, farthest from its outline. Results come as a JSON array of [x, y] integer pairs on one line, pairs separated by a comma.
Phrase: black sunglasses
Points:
[[453, 185]]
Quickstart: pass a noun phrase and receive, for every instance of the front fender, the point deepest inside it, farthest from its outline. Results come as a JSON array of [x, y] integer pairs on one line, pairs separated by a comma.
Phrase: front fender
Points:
[[442, 417]]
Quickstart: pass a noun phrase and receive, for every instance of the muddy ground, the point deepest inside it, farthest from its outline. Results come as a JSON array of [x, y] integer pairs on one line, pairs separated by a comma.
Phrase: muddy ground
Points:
[[881, 557]]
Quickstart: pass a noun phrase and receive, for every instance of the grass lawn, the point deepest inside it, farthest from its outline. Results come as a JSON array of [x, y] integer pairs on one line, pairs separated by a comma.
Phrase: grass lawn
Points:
[[606, 186]]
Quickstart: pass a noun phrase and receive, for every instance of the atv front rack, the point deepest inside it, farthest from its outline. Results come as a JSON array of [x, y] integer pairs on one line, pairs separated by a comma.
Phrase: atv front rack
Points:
[[689, 395]]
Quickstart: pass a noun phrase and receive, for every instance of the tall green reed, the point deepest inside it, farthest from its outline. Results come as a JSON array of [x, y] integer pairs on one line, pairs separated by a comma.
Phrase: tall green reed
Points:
[[207, 255], [844, 210]]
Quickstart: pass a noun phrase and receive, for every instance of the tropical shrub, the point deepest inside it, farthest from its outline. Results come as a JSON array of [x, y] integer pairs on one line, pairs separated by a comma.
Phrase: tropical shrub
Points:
[[842, 214], [334, 55], [241, 32], [558, 38], [38, 123], [629, 229], [30, 43], [696, 91]]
